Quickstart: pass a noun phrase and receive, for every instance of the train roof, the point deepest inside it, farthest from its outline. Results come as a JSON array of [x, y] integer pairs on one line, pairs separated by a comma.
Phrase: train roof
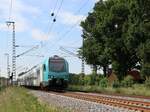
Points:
[[53, 57]]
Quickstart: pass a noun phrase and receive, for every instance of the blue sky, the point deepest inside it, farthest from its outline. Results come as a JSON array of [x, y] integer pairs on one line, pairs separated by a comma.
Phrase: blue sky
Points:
[[34, 27]]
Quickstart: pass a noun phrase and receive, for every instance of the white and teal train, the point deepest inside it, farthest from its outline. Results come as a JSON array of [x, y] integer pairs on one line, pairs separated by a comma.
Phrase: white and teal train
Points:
[[53, 72]]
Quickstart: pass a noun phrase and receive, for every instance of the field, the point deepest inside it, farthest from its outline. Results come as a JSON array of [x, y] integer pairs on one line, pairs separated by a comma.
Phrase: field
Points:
[[15, 99]]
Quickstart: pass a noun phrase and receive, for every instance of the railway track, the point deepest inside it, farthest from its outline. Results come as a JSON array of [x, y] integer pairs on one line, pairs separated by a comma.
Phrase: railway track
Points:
[[117, 101], [140, 106]]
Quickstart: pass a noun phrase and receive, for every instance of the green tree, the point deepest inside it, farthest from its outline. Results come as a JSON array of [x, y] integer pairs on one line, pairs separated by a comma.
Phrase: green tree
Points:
[[138, 35], [93, 50], [115, 31], [144, 54]]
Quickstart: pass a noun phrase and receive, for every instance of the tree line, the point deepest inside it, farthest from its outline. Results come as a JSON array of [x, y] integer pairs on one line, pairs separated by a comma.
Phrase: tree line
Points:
[[117, 33]]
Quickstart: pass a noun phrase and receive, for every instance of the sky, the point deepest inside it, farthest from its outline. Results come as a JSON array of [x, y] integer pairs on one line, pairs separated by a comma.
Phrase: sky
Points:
[[34, 26]]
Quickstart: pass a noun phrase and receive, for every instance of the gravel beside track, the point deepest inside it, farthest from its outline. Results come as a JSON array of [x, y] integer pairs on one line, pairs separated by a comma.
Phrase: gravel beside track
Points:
[[76, 105]]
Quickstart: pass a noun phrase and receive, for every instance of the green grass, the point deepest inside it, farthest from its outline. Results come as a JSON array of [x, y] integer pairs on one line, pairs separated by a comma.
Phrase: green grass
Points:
[[15, 99], [2, 88], [137, 89]]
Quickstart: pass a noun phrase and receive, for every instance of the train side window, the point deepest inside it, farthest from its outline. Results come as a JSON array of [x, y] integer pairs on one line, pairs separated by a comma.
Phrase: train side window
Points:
[[44, 67]]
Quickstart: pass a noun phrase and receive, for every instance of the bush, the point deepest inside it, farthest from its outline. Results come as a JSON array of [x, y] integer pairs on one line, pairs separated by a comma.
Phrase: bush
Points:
[[87, 80], [145, 70], [74, 79], [116, 84], [81, 80], [97, 80], [103, 82], [92, 79], [147, 83], [128, 81]]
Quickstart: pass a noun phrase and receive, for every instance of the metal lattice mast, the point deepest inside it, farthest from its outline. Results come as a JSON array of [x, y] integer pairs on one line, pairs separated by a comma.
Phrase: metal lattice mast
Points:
[[14, 53], [13, 50], [82, 58]]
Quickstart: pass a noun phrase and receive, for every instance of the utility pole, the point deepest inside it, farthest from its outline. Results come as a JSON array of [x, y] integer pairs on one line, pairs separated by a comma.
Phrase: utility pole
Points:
[[13, 50]]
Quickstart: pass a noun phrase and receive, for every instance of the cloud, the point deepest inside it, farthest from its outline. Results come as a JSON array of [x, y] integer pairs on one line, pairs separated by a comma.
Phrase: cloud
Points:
[[69, 18], [39, 35], [22, 7], [19, 10], [76, 0], [3, 27], [96, 0]]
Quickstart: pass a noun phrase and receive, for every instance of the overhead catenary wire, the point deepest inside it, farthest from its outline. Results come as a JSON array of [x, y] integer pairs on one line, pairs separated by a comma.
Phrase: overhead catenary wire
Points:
[[61, 3], [82, 6], [54, 19], [53, 11], [73, 26], [78, 11], [52, 14], [66, 33]]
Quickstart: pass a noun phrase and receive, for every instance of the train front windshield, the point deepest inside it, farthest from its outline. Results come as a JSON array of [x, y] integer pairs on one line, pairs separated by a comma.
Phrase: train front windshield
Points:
[[57, 65]]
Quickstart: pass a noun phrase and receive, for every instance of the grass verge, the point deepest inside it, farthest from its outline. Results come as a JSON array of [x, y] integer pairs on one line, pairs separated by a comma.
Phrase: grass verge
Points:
[[2, 88], [137, 89], [16, 99]]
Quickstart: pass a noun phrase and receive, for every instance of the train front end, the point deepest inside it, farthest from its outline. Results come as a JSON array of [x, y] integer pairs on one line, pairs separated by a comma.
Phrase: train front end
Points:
[[58, 75]]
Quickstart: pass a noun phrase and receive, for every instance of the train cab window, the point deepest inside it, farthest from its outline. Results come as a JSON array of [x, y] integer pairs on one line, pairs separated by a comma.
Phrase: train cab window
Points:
[[57, 65], [44, 67]]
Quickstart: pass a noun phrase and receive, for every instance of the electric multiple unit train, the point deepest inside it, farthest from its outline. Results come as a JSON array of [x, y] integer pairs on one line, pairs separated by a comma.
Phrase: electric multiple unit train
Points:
[[53, 72]]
